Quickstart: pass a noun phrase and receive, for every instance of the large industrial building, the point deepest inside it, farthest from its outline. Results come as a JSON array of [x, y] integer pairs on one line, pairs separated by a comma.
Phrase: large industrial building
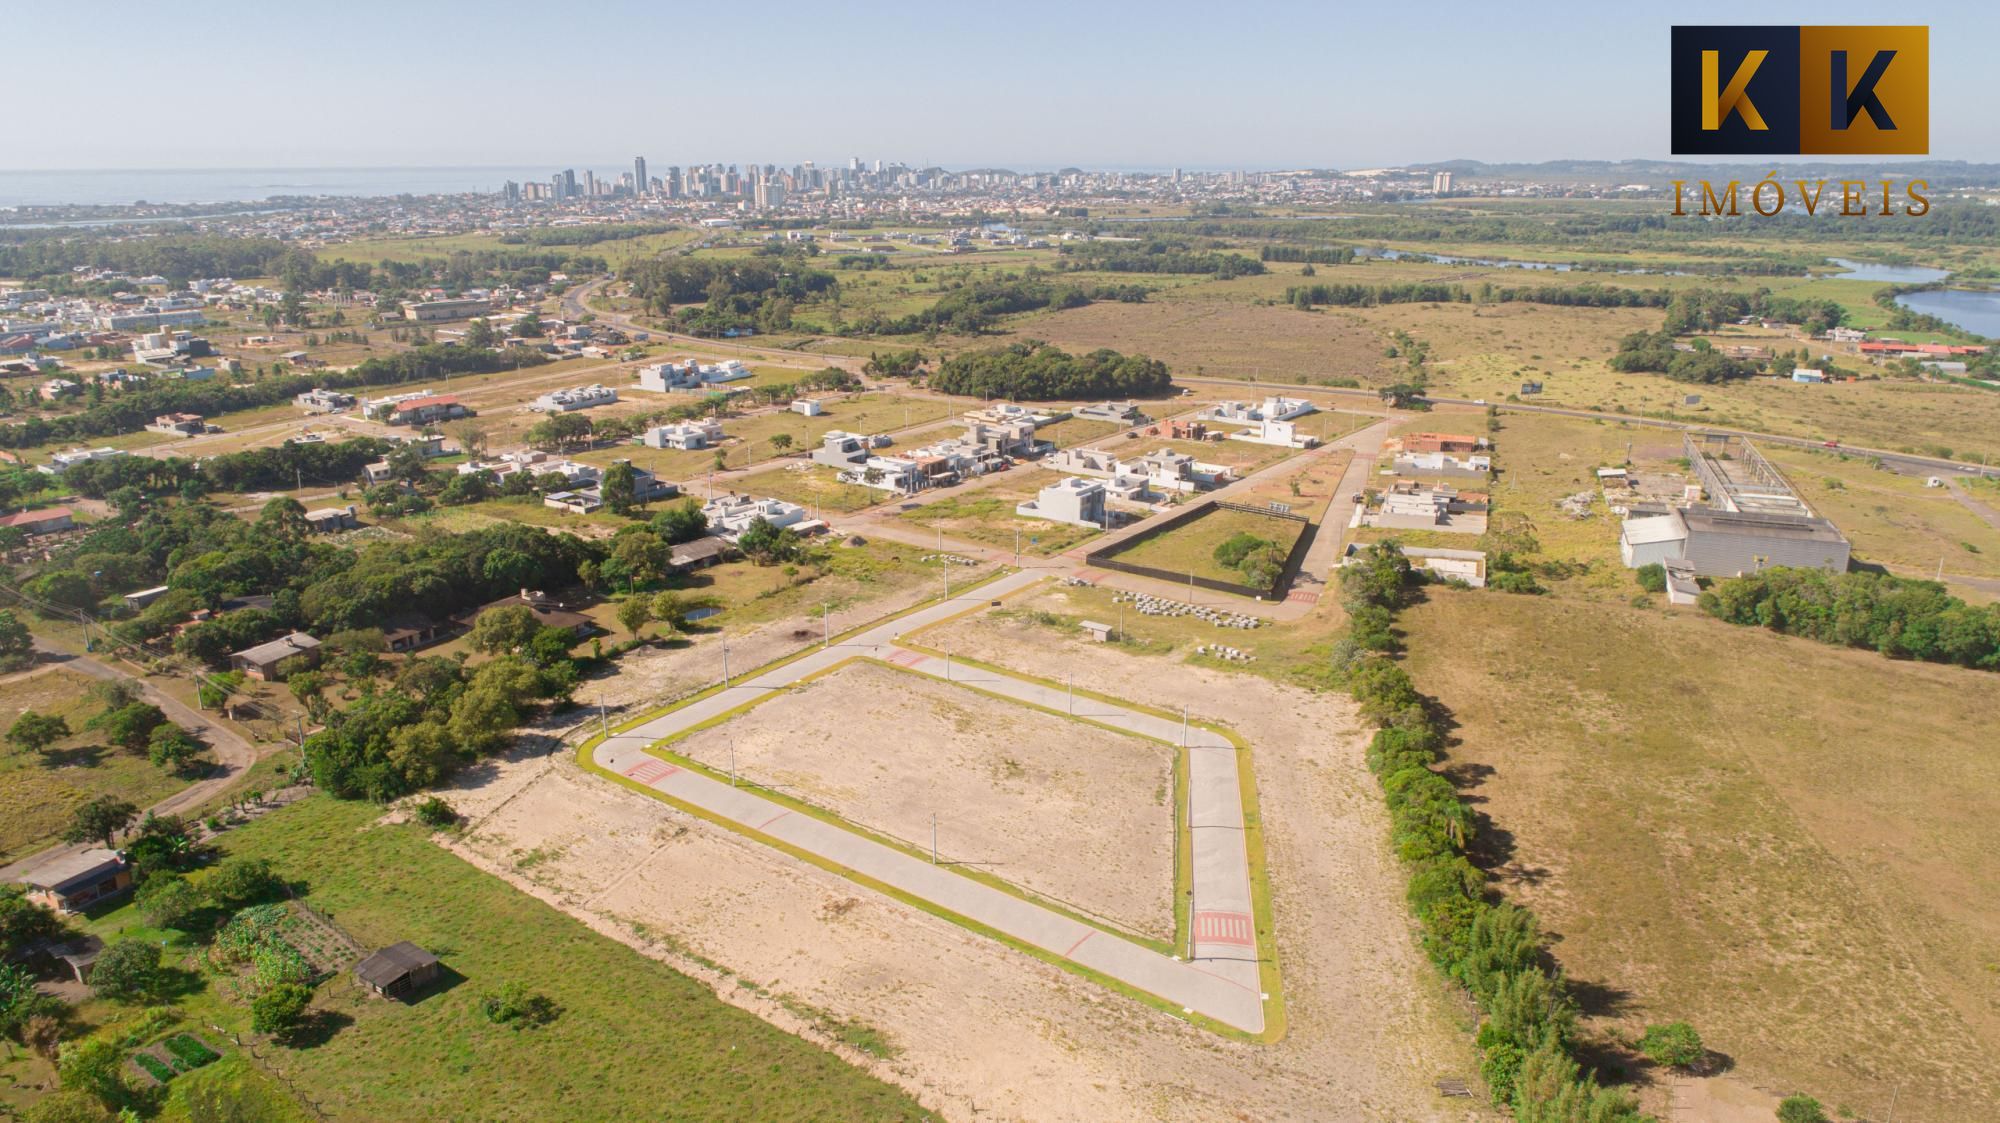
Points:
[[1751, 519]]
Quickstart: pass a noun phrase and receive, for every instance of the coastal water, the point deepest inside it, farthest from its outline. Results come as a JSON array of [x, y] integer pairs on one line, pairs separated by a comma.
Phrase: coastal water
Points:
[[1977, 312], [1892, 274], [114, 187]]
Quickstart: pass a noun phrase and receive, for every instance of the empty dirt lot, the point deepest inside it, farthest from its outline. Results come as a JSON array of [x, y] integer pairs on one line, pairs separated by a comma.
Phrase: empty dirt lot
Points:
[[977, 1030], [1065, 809]]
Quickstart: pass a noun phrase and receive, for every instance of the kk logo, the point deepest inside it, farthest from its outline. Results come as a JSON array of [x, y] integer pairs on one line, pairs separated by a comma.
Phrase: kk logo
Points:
[[1801, 90]]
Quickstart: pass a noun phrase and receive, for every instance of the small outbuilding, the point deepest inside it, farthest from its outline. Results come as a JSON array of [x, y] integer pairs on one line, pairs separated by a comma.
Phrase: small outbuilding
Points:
[[76, 881], [261, 662], [397, 970]]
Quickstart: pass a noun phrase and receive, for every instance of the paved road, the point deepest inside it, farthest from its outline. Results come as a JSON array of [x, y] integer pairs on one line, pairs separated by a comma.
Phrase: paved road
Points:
[[232, 753], [1219, 979]]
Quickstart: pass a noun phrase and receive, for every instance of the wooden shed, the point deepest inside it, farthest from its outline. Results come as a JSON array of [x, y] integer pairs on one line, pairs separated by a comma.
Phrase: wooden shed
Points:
[[397, 970]]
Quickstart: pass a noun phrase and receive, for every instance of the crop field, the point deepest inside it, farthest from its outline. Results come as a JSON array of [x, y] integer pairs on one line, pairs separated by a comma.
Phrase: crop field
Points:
[[985, 514], [39, 790], [1190, 547], [1076, 813], [1714, 830]]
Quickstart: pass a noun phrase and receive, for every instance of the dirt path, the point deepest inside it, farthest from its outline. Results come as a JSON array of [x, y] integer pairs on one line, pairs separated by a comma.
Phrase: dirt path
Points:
[[233, 754], [1965, 499]]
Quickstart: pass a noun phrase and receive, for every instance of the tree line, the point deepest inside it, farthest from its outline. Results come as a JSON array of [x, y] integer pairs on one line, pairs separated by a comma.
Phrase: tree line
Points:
[[1157, 256], [976, 307], [1492, 948], [1036, 371], [1310, 255]]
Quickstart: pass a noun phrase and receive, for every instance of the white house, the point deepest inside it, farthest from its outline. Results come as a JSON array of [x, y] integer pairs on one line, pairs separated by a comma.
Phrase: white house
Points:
[[1808, 374], [575, 398], [686, 436], [807, 407], [730, 515], [670, 376], [63, 461], [1072, 499], [1652, 539]]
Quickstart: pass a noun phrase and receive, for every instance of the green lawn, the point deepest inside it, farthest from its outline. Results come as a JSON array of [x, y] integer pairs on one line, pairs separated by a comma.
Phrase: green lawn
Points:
[[633, 1040], [1190, 547], [810, 486]]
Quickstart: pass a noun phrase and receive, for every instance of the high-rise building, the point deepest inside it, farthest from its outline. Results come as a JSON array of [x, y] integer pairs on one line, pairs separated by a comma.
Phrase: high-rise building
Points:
[[565, 183], [1441, 183], [675, 188], [639, 174]]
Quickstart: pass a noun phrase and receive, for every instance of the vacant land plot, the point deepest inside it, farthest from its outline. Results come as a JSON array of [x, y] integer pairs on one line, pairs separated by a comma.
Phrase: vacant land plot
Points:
[[1076, 813], [810, 485], [986, 515], [39, 790], [1190, 547], [696, 1058], [1222, 338], [1781, 842], [1076, 431], [748, 435], [984, 1031], [1893, 520]]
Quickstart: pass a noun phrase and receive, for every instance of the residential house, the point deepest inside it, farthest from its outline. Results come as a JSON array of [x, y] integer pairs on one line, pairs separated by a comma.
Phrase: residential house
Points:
[[574, 398], [72, 883], [1072, 499], [261, 662], [329, 520], [324, 401], [731, 514], [45, 521], [440, 311], [1124, 413], [806, 407], [179, 424], [548, 612], [698, 554], [686, 436], [62, 461]]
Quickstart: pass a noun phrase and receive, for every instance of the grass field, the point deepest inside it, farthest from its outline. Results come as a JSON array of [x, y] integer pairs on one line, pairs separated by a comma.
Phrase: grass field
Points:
[[810, 485], [1781, 842], [39, 790], [632, 1039], [1190, 547], [1893, 520]]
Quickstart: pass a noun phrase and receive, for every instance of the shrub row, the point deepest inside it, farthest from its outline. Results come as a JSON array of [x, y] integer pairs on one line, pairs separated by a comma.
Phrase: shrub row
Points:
[[1494, 949]]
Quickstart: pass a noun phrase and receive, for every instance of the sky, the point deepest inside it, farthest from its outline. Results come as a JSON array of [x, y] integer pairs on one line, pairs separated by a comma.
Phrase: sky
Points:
[[1025, 85]]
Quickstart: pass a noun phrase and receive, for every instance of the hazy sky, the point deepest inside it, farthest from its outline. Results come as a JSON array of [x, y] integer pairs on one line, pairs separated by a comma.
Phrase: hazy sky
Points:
[[1027, 84]]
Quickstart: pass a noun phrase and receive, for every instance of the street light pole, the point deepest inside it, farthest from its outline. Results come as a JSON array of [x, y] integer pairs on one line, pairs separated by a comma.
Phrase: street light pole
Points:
[[826, 620], [725, 661]]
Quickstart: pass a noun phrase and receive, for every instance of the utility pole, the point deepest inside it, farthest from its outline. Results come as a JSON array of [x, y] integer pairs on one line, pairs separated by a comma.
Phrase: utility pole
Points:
[[947, 666], [725, 661], [732, 760], [603, 718], [1184, 725], [1017, 547], [1070, 681], [826, 620], [934, 838]]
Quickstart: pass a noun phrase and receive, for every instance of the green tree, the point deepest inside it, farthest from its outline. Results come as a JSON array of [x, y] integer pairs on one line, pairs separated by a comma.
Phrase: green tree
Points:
[[283, 518], [239, 882], [1651, 577], [680, 522], [129, 727], [17, 644], [479, 333], [766, 544], [1800, 1108], [503, 629], [127, 971], [172, 748], [642, 556], [33, 732], [168, 900], [781, 441], [100, 819], [634, 613], [1674, 1045], [24, 923], [619, 487], [279, 1010]]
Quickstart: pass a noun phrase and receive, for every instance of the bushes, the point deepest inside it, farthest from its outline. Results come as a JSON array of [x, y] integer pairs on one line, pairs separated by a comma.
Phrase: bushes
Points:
[[190, 1051], [1901, 618], [127, 971], [514, 1005], [1674, 1045], [1651, 577]]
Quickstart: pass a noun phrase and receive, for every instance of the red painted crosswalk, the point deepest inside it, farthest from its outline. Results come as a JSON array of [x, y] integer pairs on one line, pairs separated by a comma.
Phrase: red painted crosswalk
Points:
[[1225, 928], [651, 771]]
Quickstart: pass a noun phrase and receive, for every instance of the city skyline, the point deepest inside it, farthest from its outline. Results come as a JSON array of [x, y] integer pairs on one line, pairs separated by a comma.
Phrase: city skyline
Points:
[[1100, 89]]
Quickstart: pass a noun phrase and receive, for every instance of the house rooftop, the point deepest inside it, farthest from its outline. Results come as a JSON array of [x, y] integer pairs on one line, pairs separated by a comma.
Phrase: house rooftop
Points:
[[71, 870], [392, 963], [283, 647]]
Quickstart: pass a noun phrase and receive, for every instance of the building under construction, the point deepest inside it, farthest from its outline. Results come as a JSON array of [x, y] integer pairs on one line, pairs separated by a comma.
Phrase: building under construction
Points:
[[1750, 518]]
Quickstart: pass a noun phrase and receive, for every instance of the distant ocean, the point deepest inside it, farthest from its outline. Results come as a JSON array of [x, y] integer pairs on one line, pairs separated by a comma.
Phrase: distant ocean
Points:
[[245, 185]]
